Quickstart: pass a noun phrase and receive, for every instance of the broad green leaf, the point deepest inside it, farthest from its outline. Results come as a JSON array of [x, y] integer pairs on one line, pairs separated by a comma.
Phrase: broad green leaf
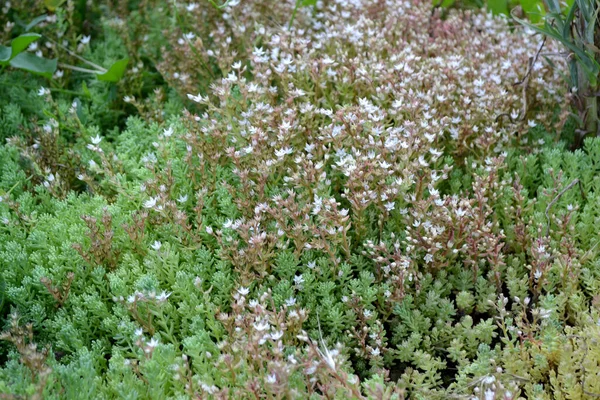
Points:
[[115, 72], [534, 9], [308, 3], [35, 21], [498, 7], [52, 5], [17, 46], [4, 55], [32, 63], [21, 42]]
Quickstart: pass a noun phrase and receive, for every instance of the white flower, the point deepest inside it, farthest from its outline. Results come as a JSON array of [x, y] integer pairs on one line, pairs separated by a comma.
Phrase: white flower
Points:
[[197, 99], [280, 153], [139, 332], [96, 139], [544, 313], [261, 326], [128, 99], [85, 39], [243, 291], [168, 132], [163, 296], [153, 343], [271, 378], [182, 199], [390, 206], [375, 352], [156, 245], [531, 123], [277, 335], [43, 91], [150, 203], [290, 302]]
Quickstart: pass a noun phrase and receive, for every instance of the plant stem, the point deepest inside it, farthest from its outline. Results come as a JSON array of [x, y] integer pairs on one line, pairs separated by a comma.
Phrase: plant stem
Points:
[[294, 14]]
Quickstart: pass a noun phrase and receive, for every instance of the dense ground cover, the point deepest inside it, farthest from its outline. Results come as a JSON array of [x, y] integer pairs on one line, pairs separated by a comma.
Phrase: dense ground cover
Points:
[[371, 200]]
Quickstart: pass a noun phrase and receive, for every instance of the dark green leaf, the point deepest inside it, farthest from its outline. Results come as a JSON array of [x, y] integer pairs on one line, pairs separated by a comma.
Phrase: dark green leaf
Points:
[[53, 4], [4, 55], [32, 63], [498, 6], [115, 72], [534, 9], [569, 20], [21, 42]]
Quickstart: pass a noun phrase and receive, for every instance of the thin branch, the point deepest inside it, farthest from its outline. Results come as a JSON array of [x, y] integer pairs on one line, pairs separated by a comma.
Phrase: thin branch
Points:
[[79, 69], [582, 367], [525, 81], [77, 56], [554, 200], [532, 62]]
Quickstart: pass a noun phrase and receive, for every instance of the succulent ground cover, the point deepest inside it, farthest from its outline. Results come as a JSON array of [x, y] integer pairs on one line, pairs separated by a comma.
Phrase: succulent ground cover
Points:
[[374, 200]]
